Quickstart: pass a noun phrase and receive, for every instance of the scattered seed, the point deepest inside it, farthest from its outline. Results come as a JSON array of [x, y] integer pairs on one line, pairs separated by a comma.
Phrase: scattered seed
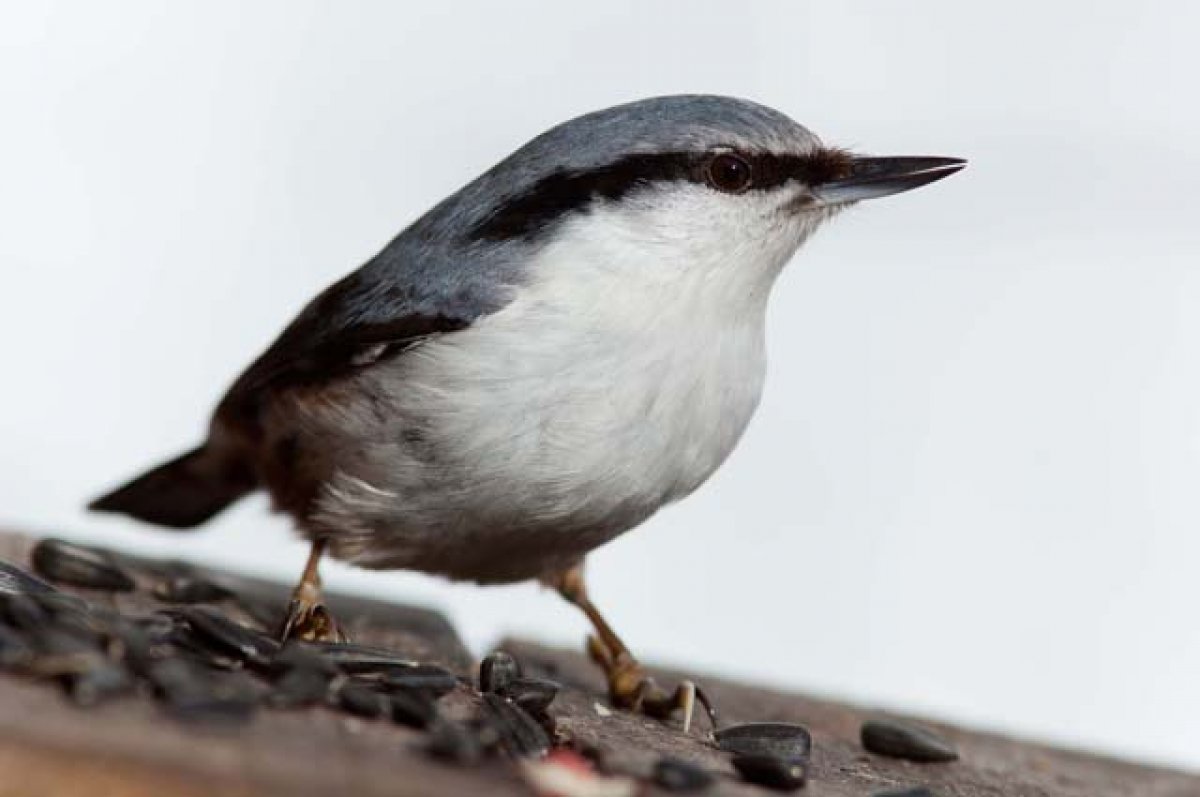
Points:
[[361, 701], [361, 659], [15, 580], [905, 740], [215, 632], [772, 772], [190, 589], [919, 791], [426, 678], [453, 742], [782, 740], [80, 566], [674, 774], [195, 694], [95, 685], [15, 650], [413, 709], [532, 694], [520, 734], [497, 671]]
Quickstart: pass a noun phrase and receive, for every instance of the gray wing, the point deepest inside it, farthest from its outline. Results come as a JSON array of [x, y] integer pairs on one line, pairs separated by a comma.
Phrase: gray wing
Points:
[[353, 324]]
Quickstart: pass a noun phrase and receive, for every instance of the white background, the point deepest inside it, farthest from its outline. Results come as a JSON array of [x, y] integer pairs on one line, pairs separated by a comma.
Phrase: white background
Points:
[[973, 488]]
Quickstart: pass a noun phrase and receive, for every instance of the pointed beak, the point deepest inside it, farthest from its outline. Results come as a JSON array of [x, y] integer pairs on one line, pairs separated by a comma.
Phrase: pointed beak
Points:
[[870, 178]]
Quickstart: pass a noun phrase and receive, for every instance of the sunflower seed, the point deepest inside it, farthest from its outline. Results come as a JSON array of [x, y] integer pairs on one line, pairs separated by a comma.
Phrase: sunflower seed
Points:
[[194, 694], [15, 650], [361, 659], [99, 683], [774, 773], [16, 580], [674, 774], [782, 740], [427, 678], [414, 709], [215, 632], [532, 694], [919, 791], [497, 671], [362, 701], [904, 740], [520, 734], [190, 589], [453, 742], [80, 566]]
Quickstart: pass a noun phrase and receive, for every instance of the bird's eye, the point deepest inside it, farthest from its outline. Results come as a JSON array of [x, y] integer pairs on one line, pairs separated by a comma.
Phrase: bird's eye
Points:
[[728, 172]]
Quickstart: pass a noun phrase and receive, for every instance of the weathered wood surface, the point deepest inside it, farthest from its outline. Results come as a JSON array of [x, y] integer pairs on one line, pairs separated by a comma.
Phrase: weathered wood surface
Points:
[[129, 748]]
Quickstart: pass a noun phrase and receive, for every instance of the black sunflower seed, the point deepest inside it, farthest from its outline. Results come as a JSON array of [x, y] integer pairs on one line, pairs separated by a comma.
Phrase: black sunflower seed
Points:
[[99, 683], [453, 742], [362, 701], [919, 791], [904, 740], [414, 709], [14, 579], [427, 678], [520, 734], [532, 694], [361, 659], [15, 649], [783, 740], [79, 566], [190, 589], [674, 774], [497, 671], [299, 687], [214, 631], [774, 773], [194, 694], [23, 611]]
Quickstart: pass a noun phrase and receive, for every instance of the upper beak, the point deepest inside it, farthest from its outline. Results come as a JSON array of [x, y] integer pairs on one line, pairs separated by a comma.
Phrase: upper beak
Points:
[[869, 178]]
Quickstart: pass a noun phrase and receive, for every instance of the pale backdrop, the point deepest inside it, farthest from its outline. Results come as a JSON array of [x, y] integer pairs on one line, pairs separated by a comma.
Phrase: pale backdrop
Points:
[[973, 488]]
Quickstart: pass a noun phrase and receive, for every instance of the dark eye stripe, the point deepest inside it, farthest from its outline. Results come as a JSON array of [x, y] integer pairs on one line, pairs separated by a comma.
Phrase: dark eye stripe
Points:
[[562, 192]]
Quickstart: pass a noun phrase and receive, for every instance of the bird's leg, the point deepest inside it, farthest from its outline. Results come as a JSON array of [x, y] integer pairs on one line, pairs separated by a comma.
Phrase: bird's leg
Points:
[[307, 618], [628, 684]]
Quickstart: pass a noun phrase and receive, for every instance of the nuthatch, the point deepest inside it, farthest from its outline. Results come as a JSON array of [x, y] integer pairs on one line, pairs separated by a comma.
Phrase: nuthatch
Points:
[[536, 365]]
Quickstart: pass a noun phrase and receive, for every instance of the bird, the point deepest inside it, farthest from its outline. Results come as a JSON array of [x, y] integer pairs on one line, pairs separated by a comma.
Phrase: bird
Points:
[[570, 342]]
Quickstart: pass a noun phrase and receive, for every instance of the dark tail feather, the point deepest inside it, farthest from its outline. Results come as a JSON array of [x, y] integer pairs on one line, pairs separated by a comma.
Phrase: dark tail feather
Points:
[[184, 492]]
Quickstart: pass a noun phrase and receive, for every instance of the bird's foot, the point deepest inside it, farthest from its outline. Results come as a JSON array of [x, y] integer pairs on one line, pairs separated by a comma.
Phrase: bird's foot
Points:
[[629, 687], [309, 620]]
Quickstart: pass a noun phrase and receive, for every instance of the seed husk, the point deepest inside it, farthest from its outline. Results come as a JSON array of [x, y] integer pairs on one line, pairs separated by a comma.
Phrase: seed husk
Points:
[[905, 740], [674, 774], [80, 566], [774, 773], [497, 671], [520, 734], [783, 740]]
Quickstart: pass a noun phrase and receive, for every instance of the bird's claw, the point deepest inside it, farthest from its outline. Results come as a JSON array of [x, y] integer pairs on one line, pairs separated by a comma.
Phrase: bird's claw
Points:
[[310, 622], [631, 688]]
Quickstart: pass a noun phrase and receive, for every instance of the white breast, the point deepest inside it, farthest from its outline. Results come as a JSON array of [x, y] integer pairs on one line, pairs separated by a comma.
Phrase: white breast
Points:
[[617, 380]]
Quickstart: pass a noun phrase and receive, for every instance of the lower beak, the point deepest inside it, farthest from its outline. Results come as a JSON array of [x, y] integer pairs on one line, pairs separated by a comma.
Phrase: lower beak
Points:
[[870, 178]]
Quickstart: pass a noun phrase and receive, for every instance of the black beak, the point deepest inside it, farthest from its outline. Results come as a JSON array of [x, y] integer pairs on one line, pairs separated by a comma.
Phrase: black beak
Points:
[[870, 178]]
